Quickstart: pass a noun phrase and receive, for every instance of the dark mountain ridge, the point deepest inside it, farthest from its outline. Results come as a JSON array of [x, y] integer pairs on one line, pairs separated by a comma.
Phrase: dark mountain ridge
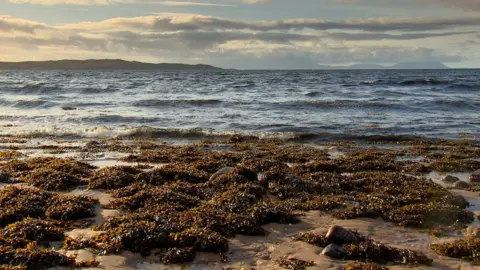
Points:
[[101, 64]]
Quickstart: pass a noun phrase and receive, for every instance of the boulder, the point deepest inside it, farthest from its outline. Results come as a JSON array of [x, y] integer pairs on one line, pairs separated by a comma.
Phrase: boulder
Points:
[[450, 179], [475, 177], [335, 252], [461, 185], [220, 172], [339, 235]]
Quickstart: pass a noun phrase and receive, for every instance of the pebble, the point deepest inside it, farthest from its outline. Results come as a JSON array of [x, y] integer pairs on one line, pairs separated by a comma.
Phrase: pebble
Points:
[[220, 172], [461, 185], [339, 235], [335, 252], [450, 179], [475, 177]]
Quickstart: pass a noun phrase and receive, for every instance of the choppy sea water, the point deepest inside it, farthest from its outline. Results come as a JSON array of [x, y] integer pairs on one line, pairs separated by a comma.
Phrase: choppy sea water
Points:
[[323, 104]]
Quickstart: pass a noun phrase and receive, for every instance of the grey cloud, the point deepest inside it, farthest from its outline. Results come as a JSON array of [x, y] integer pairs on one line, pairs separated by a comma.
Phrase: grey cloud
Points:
[[169, 23], [464, 4], [379, 36]]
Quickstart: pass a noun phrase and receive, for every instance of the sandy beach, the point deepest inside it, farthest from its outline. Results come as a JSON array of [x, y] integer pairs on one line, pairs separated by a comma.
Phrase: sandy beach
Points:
[[305, 187]]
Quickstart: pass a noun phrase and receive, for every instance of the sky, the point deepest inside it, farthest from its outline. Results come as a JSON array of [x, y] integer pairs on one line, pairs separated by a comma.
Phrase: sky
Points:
[[250, 34]]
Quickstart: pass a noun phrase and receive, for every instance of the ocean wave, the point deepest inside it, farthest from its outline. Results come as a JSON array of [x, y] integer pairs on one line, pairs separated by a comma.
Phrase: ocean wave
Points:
[[424, 82], [178, 102], [27, 104], [344, 104], [97, 90], [147, 132]]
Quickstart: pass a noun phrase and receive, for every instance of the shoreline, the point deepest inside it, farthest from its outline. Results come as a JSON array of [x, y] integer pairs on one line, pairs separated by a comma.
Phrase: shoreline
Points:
[[314, 159]]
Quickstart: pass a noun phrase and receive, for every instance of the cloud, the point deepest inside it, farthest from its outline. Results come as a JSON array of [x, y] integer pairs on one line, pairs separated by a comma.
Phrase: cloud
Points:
[[379, 36], [112, 2], [185, 22], [464, 4], [184, 3], [62, 2], [229, 43], [256, 1], [11, 24]]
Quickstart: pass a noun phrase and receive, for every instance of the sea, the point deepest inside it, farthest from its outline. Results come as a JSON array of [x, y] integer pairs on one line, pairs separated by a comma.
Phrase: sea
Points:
[[335, 104]]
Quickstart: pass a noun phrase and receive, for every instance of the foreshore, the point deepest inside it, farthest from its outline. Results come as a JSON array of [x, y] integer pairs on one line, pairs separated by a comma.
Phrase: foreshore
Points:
[[240, 202]]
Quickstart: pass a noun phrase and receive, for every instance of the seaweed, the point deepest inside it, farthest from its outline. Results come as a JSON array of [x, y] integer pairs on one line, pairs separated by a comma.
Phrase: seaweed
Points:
[[367, 250], [294, 264], [49, 173], [31, 230], [466, 249], [365, 266], [19, 203], [113, 177]]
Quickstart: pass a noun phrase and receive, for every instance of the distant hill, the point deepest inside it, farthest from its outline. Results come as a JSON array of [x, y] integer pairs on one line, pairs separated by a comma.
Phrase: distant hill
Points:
[[403, 65], [101, 64], [419, 65]]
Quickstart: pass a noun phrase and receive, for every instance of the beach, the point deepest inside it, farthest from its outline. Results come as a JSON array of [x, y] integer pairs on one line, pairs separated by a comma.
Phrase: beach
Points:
[[236, 202]]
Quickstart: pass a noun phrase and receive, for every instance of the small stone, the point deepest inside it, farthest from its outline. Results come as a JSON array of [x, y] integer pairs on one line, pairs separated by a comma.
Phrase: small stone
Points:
[[473, 231], [450, 179], [475, 177], [335, 252], [339, 235], [220, 172], [461, 185], [4, 177]]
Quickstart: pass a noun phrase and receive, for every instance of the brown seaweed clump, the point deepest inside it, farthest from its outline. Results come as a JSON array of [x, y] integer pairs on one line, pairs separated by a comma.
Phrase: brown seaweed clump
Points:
[[32, 230], [466, 249], [48, 173], [19, 203], [294, 264], [113, 177], [365, 266], [367, 250], [9, 155]]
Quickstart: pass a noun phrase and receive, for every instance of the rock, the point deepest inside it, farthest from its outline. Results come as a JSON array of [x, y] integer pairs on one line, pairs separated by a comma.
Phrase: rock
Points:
[[69, 108], [220, 172], [339, 235], [475, 177], [261, 178], [4, 177], [335, 252], [473, 231], [450, 179], [461, 185]]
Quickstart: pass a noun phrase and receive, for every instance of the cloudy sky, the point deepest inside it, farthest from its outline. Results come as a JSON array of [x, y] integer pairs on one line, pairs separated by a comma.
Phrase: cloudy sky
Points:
[[243, 33]]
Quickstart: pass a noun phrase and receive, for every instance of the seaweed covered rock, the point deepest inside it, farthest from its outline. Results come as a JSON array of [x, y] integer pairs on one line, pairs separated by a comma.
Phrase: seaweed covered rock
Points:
[[365, 250], [33, 258], [466, 249], [365, 266], [19, 203], [172, 173], [51, 180], [33, 230], [113, 177], [294, 264], [148, 198], [48, 173]]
